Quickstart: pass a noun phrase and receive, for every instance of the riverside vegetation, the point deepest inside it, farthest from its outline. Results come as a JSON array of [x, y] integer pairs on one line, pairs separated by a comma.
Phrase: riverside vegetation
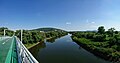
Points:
[[33, 37], [105, 44]]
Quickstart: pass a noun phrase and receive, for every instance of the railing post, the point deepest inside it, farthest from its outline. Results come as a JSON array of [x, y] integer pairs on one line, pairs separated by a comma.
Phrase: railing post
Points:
[[4, 32], [21, 34]]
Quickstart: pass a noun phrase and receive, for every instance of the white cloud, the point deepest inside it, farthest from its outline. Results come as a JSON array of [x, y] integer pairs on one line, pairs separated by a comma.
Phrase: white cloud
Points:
[[92, 22], [68, 23]]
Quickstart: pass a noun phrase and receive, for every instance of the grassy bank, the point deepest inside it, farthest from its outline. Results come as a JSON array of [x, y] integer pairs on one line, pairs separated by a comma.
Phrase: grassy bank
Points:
[[100, 49], [105, 44], [28, 46]]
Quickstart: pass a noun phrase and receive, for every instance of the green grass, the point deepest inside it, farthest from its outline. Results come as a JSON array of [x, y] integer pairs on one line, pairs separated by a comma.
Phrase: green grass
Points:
[[29, 45]]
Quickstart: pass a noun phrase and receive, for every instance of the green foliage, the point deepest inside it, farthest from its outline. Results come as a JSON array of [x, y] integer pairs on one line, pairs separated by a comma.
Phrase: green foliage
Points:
[[55, 34], [116, 56], [111, 32], [49, 29], [2, 29], [30, 36], [33, 36], [114, 40], [100, 38], [107, 44], [90, 35], [117, 37], [101, 30], [8, 32], [116, 47], [116, 32]]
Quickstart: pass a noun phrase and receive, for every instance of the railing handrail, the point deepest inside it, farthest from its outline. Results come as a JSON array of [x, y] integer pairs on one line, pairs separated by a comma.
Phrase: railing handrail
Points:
[[29, 56]]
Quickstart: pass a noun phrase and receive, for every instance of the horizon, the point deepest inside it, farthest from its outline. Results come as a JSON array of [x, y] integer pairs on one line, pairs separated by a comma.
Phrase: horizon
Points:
[[69, 15], [60, 29]]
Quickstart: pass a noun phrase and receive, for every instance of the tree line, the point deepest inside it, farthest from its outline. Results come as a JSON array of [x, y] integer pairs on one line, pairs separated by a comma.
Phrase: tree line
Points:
[[32, 36], [54, 34], [37, 36]]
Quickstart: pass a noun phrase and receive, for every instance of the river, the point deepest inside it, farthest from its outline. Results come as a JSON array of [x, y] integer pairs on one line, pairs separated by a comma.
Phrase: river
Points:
[[63, 50]]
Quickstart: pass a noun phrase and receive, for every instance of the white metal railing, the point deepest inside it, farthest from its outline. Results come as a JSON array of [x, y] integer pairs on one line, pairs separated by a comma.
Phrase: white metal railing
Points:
[[24, 56]]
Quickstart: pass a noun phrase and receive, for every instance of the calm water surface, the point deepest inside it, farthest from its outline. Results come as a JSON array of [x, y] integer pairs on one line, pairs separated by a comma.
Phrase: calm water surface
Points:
[[63, 50]]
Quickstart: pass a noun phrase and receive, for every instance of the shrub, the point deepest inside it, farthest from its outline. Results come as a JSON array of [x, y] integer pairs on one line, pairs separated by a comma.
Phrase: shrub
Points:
[[99, 38], [112, 41], [89, 35], [116, 55]]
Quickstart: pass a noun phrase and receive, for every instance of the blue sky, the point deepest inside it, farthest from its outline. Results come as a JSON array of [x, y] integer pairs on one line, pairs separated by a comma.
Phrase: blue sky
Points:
[[63, 14]]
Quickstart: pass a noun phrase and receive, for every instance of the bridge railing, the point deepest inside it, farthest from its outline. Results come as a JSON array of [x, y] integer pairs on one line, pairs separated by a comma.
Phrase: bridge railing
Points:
[[24, 56]]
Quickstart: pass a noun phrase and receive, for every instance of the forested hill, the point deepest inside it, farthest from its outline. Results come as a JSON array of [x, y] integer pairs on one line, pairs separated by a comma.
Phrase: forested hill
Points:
[[48, 29]]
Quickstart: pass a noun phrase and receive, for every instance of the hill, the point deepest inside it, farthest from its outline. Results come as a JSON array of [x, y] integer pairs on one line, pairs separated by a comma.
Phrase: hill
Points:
[[48, 29]]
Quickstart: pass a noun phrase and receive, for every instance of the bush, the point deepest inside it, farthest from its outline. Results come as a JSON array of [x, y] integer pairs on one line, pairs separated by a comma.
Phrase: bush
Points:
[[99, 38], [116, 47], [89, 35], [116, 55], [117, 37], [112, 41]]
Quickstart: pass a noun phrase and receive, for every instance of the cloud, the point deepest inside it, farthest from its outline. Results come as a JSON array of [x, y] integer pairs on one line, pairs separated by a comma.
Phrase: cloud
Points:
[[92, 22], [68, 23]]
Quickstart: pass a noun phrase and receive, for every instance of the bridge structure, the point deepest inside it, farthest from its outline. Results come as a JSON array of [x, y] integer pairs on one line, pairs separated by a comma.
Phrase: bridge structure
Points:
[[12, 50]]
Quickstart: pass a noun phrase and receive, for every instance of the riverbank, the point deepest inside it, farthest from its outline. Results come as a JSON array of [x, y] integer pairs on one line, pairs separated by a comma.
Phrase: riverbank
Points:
[[49, 38], [50, 35], [28, 46], [96, 49]]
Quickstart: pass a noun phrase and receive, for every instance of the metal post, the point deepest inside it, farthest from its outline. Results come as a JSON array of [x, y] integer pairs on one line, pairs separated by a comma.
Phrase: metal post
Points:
[[21, 34], [4, 32]]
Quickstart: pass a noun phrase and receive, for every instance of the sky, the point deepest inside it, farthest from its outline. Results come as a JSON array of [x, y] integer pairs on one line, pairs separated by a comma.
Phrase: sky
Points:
[[74, 15]]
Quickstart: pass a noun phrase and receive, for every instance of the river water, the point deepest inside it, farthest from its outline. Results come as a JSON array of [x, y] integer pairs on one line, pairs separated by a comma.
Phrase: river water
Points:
[[63, 50]]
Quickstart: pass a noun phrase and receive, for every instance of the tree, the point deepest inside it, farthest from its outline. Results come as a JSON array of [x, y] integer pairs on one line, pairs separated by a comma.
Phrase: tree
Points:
[[116, 32], [101, 30], [99, 38], [111, 31], [112, 41]]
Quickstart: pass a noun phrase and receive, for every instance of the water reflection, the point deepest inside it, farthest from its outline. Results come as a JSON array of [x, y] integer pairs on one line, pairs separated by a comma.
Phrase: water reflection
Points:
[[52, 40], [34, 50]]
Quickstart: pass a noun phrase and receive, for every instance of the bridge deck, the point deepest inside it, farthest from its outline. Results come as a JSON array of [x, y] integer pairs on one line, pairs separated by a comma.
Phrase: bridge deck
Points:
[[7, 50]]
